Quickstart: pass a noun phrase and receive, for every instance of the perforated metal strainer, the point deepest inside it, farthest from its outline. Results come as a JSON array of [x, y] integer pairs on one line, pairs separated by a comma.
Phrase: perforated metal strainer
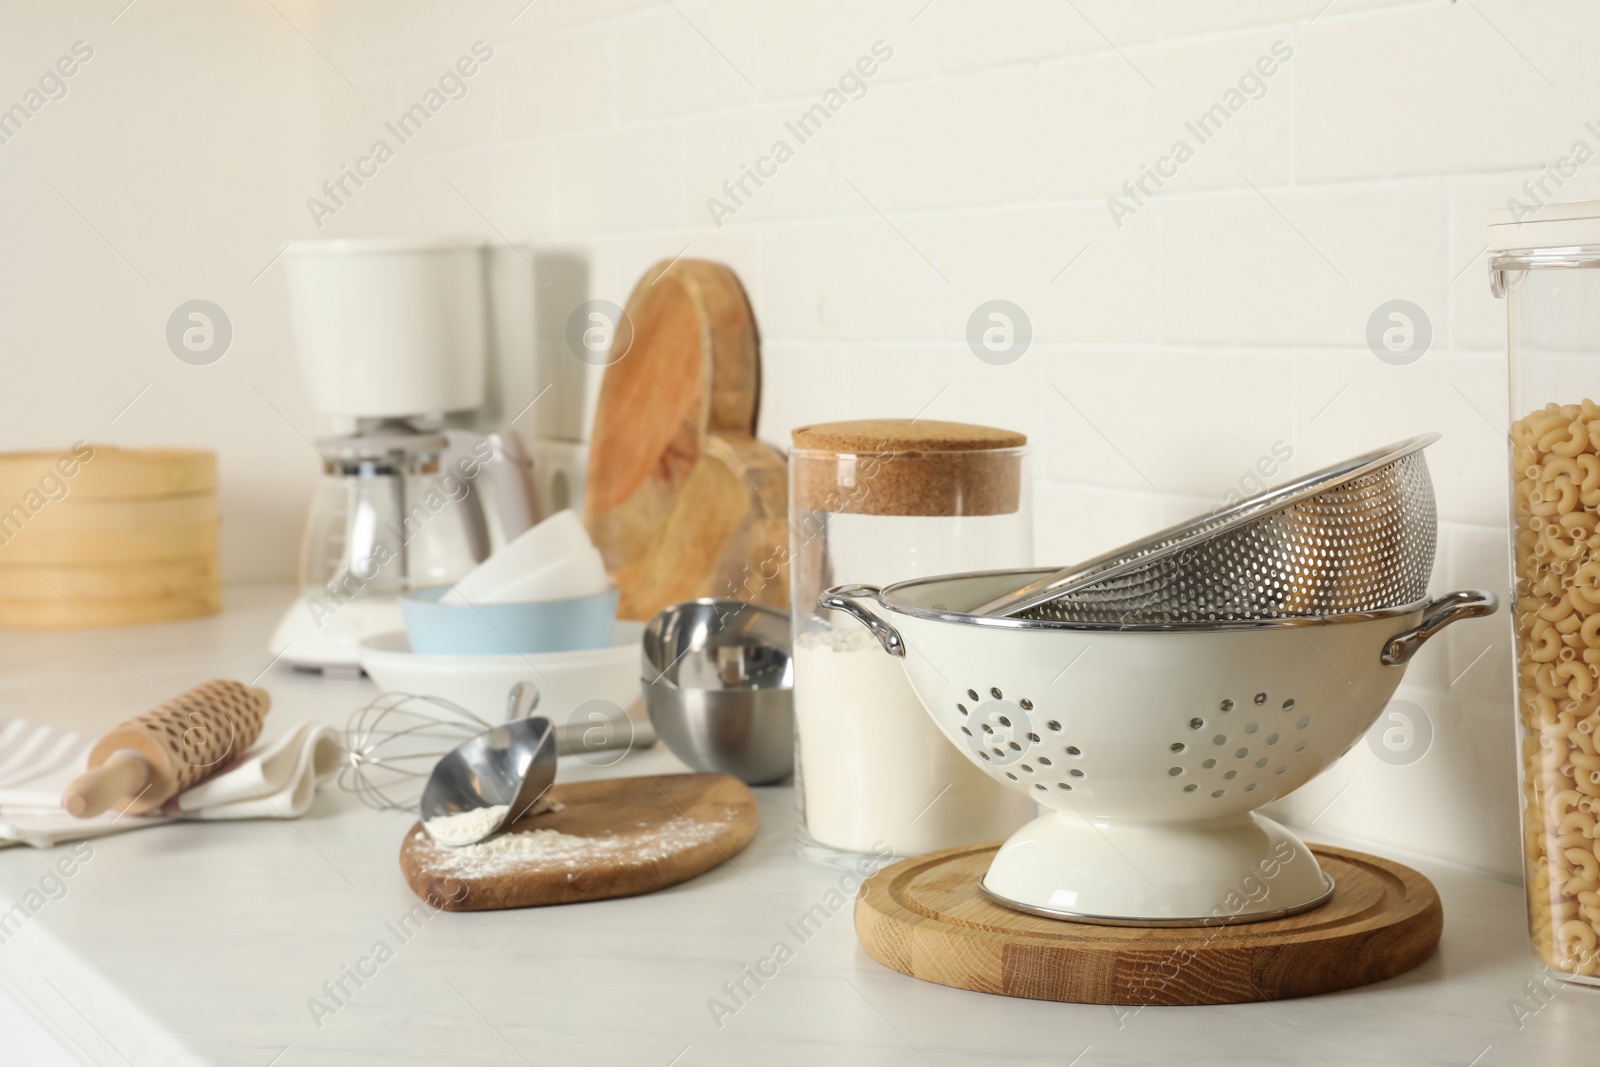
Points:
[[1357, 536]]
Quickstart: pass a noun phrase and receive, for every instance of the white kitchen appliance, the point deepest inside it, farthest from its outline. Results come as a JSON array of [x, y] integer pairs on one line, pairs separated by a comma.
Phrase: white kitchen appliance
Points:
[[418, 486]]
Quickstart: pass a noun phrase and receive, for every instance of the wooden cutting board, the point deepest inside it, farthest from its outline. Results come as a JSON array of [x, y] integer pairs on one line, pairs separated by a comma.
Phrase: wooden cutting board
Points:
[[640, 835], [926, 917], [680, 497]]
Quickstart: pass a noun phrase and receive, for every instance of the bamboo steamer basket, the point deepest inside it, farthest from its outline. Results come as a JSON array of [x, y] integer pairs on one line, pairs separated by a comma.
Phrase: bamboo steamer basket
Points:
[[95, 535]]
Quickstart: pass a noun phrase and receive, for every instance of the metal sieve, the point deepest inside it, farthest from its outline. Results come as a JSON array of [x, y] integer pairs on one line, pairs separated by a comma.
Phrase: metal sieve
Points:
[[1357, 536]]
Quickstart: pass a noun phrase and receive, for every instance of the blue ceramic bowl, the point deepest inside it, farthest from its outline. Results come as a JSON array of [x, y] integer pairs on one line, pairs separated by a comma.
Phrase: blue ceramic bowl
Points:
[[436, 629]]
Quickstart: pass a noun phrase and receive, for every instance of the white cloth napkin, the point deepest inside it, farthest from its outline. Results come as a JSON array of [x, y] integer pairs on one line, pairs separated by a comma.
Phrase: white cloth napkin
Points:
[[275, 779]]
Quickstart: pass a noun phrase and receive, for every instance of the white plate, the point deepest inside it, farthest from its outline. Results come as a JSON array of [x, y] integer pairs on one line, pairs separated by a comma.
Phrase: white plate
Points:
[[567, 681]]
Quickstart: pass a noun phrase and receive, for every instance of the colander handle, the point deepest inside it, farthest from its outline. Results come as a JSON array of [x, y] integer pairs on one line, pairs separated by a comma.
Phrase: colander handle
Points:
[[1452, 607], [843, 598]]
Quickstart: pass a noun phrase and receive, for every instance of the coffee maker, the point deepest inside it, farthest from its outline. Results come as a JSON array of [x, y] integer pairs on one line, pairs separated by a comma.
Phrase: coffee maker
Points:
[[418, 486]]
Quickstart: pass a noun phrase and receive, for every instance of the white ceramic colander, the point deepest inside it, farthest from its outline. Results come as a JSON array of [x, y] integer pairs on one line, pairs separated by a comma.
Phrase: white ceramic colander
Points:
[[1150, 746]]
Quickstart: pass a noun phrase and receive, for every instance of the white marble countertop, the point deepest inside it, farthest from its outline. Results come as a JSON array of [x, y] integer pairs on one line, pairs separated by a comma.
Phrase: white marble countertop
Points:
[[202, 943]]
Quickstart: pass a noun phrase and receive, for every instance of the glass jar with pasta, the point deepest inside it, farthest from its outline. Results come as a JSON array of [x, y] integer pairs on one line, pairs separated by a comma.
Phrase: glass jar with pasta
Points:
[[1546, 264]]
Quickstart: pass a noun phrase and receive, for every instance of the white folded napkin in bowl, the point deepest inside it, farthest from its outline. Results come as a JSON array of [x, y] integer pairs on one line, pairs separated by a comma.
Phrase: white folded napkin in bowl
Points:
[[274, 780]]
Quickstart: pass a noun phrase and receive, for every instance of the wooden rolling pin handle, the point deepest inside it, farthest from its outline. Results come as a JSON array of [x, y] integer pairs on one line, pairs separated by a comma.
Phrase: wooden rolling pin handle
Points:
[[122, 777]]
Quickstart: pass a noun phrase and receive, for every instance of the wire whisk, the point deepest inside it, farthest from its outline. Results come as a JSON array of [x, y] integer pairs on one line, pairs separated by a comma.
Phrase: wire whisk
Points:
[[392, 744]]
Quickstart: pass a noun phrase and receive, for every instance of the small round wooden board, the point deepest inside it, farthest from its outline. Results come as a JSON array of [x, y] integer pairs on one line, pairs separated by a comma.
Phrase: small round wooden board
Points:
[[641, 834], [926, 917]]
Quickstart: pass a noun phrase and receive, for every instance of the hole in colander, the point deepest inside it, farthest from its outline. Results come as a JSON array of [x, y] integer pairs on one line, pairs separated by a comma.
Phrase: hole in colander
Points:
[[1251, 786], [1034, 738], [1190, 788], [1196, 724], [1262, 762], [1208, 764], [998, 752], [985, 756], [995, 693], [1231, 775], [1004, 721], [1011, 776], [1288, 705], [1013, 746], [1301, 747], [1064, 787], [1220, 739], [1075, 773], [1044, 761], [1176, 772], [1218, 792], [1252, 728], [1074, 750], [1261, 698], [1305, 720], [1280, 770], [1241, 754], [1179, 746], [972, 695], [962, 708], [966, 731], [1227, 705], [1025, 768], [1272, 739], [1040, 786], [988, 729], [1053, 725], [1027, 705]]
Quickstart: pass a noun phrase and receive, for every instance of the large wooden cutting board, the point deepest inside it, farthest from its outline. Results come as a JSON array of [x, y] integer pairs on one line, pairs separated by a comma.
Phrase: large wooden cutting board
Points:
[[926, 917], [681, 499], [641, 834]]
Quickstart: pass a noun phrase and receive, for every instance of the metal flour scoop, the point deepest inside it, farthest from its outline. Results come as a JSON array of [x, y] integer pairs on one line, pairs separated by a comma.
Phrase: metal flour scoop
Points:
[[513, 764]]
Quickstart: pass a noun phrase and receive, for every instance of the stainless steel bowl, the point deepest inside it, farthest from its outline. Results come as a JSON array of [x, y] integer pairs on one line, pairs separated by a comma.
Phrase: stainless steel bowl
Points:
[[718, 682]]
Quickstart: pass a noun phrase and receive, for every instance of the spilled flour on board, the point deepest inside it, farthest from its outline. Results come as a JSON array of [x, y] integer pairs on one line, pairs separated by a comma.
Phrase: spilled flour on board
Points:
[[547, 849]]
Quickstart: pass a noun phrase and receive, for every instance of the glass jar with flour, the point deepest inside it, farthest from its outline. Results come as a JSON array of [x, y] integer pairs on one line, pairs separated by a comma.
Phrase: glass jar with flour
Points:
[[874, 502]]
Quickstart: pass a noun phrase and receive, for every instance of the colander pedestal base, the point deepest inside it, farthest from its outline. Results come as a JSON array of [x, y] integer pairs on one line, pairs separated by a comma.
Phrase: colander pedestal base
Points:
[[1242, 869]]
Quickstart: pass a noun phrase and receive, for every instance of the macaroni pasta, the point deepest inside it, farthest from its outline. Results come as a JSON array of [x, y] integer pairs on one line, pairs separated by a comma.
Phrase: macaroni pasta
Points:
[[1556, 543]]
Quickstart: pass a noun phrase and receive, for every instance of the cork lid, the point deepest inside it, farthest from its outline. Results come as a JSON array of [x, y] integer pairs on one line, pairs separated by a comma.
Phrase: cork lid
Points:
[[904, 435], [907, 467]]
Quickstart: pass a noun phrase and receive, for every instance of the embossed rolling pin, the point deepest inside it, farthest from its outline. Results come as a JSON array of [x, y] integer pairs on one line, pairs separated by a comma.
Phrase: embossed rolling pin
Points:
[[153, 757]]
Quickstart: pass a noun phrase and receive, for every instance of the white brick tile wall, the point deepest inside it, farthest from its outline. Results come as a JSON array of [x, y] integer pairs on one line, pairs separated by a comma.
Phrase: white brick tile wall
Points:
[[805, 48], [750, 167], [1314, 266], [1162, 96], [1441, 88], [1184, 18], [555, 83], [513, 186], [580, 12], [624, 179], [1183, 422], [949, 143], [716, 39], [1076, 276], [858, 279], [973, 33]]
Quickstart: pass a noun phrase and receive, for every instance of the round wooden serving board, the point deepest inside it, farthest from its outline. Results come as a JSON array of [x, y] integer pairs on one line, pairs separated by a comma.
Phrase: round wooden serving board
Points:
[[681, 499], [644, 834], [926, 917]]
